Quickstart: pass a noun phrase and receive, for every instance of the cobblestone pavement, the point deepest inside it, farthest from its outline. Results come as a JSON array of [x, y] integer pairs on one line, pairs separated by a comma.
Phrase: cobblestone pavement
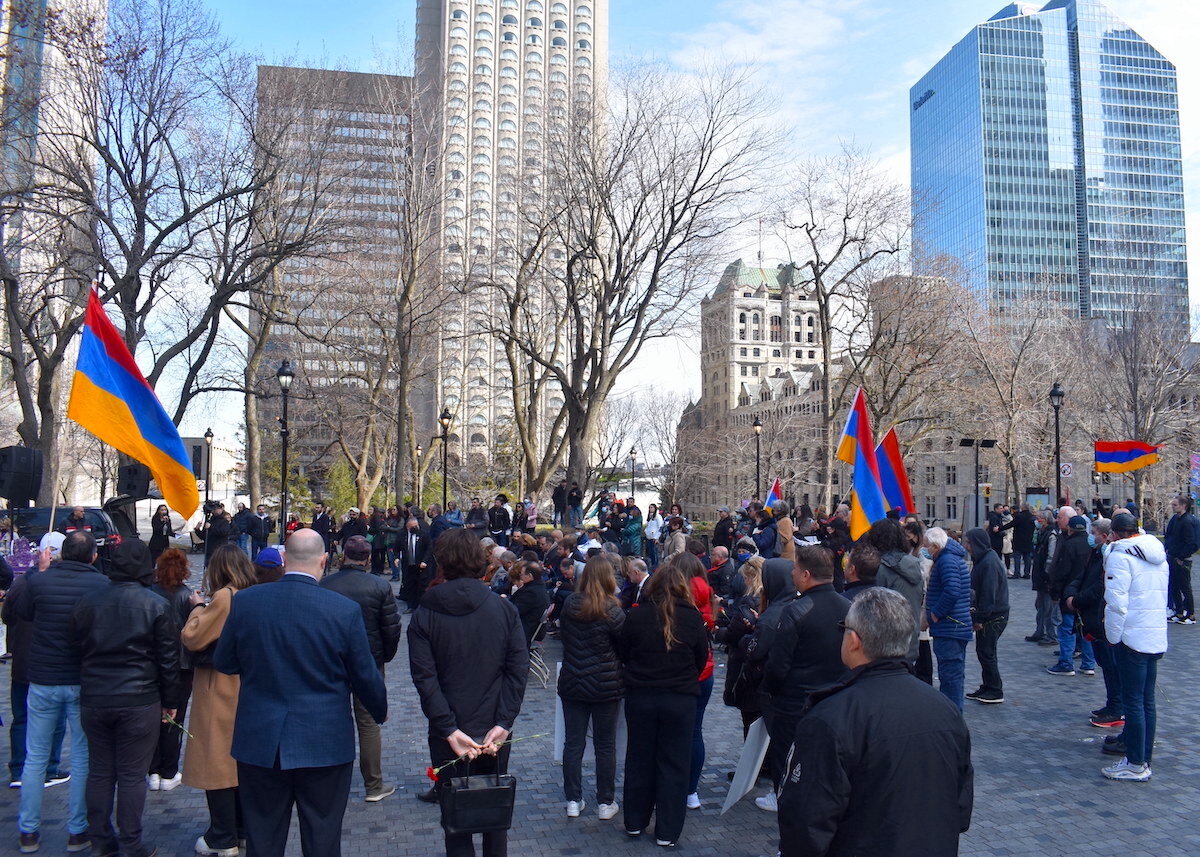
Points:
[[1038, 789]]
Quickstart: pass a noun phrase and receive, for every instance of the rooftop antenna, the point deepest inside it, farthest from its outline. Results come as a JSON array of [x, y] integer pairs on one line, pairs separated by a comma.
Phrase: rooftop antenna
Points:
[[760, 258]]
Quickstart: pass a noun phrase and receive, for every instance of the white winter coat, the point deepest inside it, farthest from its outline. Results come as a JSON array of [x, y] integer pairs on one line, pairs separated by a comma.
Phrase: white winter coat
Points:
[[1135, 594]]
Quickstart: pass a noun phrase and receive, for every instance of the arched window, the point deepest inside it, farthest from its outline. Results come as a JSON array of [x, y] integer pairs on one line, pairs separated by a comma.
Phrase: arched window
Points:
[[558, 59], [458, 32], [483, 52], [533, 92], [483, 68], [483, 104], [455, 193], [508, 143], [458, 15], [457, 85], [754, 318], [483, 35], [458, 50], [560, 25], [483, 141], [560, 8], [481, 195], [533, 74], [458, 139], [479, 176], [558, 77], [511, 20], [483, 87], [583, 79], [533, 56], [455, 120], [508, 125], [811, 322], [508, 71], [510, 37], [484, 18], [558, 42], [583, 27], [741, 318], [534, 6], [507, 107], [456, 103], [456, 175], [477, 438], [533, 39], [583, 62], [508, 54], [508, 88], [506, 161], [483, 122], [454, 212], [583, 44], [583, 10], [459, 67], [535, 22]]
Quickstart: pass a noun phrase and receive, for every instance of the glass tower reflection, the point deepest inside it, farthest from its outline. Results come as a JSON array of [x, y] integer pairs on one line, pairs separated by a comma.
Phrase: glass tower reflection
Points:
[[1046, 159]]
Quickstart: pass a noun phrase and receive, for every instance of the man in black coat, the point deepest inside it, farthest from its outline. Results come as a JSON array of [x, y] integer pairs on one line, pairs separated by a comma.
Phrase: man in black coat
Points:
[[882, 762], [805, 652], [259, 527], [723, 530], [1023, 528], [499, 521], [1071, 557], [995, 528], [355, 525], [469, 663], [559, 498], [381, 618], [322, 524], [414, 555], [530, 599], [128, 641], [575, 505], [301, 651], [989, 612], [1085, 595], [48, 601]]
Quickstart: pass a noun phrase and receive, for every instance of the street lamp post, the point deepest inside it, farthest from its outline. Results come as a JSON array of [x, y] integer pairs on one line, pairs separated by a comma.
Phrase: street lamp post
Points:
[[445, 419], [1057, 394], [208, 439], [758, 458], [284, 376], [417, 478], [978, 444], [632, 468]]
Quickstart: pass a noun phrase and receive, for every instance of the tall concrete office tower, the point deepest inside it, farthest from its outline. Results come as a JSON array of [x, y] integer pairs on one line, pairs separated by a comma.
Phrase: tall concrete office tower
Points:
[[1046, 158], [497, 81]]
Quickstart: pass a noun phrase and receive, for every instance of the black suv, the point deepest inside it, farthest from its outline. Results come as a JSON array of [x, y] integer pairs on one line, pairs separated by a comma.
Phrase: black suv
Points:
[[109, 524]]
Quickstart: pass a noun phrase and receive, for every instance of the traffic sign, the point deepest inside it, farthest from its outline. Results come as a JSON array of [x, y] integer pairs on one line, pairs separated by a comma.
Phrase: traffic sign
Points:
[[1066, 470]]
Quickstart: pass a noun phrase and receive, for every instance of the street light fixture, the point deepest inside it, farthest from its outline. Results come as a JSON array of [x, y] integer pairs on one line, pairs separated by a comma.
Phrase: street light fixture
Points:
[[445, 419], [1057, 394], [417, 478], [757, 458], [979, 443], [208, 438], [284, 376], [632, 468]]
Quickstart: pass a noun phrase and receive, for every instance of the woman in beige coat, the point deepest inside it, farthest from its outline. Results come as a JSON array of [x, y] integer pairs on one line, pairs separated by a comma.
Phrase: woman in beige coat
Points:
[[787, 530], [207, 763]]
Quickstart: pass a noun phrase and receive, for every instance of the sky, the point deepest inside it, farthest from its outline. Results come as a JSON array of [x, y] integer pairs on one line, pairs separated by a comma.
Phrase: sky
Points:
[[839, 70]]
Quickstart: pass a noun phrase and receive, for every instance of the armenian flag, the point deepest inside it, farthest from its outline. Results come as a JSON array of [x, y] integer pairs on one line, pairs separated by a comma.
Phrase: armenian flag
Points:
[[775, 495], [857, 447], [892, 475], [111, 399], [1123, 456]]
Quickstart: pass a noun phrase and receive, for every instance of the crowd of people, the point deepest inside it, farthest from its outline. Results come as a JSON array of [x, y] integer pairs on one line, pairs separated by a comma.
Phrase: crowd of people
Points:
[[830, 641]]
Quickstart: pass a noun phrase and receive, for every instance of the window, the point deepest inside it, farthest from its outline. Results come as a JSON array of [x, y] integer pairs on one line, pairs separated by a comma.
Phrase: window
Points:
[[757, 352], [535, 22], [483, 68], [951, 476], [583, 44], [742, 352], [458, 33], [483, 52], [483, 35], [931, 508], [560, 25], [458, 15], [952, 508], [484, 18], [745, 372], [754, 371], [558, 42], [510, 20], [931, 475], [583, 28], [510, 37], [533, 39]]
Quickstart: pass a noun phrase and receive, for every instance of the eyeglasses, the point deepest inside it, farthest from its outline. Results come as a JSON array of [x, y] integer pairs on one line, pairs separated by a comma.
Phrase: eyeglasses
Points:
[[843, 627]]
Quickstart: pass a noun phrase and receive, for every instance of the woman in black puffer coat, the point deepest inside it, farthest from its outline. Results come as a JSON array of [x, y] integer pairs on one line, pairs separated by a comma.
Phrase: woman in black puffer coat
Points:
[[589, 684]]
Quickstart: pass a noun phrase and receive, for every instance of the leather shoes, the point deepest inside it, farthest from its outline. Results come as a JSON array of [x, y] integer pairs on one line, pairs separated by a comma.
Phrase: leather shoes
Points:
[[430, 796]]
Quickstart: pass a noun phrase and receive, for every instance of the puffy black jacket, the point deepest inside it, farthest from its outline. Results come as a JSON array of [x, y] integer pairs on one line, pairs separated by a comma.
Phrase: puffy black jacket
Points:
[[807, 652], [723, 533], [181, 608], [1070, 557], [47, 601], [128, 639], [779, 591], [901, 572], [468, 658], [20, 631], [989, 583], [741, 686], [591, 670], [531, 602], [259, 529], [1088, 592], [380, 614], [882, 726]]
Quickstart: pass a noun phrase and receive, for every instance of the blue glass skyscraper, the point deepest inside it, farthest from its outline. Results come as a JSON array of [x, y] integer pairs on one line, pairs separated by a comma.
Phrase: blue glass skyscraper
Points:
[[1046, 159]]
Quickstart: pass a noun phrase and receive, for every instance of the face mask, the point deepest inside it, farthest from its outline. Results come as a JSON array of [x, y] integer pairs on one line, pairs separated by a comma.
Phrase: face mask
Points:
[[925, 554], [742, 557], [1091, 540]]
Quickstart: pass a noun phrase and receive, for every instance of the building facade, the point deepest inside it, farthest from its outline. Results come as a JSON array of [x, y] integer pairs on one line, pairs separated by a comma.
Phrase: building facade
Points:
[[1046, 159], [498, 83]]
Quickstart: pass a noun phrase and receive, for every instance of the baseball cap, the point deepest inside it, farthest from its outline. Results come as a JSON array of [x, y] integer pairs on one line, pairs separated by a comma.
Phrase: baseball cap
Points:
[[357, 548], [268, 558], [354, 510], [1078, 522], [54, 541]]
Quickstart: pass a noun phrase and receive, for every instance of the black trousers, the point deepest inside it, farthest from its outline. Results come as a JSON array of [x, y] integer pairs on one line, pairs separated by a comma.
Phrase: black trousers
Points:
[[120, 744], [463, 844], [658, 760], [410, 585], [165, 761], [603, 716], [986, 640], [781, 726], [225, 824], [268, 795], [1179, 587], [923, 669]]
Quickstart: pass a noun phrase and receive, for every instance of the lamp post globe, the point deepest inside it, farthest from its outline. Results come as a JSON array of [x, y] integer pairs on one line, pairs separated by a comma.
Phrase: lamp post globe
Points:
[[445, 419]]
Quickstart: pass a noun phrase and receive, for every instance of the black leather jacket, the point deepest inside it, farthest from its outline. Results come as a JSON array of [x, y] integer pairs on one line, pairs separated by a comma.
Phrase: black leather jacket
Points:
[[181, 608], [128, 639], [380, 614]]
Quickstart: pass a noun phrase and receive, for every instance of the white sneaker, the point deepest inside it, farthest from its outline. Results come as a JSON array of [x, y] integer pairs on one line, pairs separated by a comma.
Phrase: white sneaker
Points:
[[574, 807], [693, 801], [1124, 770], [205, 849], [767, 802], [153, 782], [167, 785], [608, 810]]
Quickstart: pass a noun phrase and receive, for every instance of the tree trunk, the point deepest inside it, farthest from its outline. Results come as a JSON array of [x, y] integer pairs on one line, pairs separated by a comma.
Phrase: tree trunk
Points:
[[253, 443]]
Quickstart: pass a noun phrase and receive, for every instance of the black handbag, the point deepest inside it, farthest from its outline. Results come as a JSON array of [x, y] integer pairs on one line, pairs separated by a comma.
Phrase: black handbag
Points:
[[482, 805]]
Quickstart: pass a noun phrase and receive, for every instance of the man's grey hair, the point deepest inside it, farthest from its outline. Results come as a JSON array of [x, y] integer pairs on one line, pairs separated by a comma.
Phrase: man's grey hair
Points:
[[508, 556], [612, 547], [1048, 515], [635, 564], [1102, 525], [884, 621], [936, 537], [434, 510]]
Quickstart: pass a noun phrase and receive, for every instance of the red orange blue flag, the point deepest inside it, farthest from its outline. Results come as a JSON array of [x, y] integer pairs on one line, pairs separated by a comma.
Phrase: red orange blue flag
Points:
[[892, 476], [775, 495], [111, 398], [857, 447], [1123, 456]]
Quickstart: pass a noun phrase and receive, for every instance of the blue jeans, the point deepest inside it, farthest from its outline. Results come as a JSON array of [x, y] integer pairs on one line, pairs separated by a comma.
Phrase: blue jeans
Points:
[[576, 513], [1139, 672], [244, 544], [48, 704], [1106, 659], [652, 553], [16, 735], [1067, 636], [1020, 560], [951, 654], [706, 689]]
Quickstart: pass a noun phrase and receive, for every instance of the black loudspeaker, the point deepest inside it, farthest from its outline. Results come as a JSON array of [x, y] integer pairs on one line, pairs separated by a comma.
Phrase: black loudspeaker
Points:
[[20, 474], [133, 480]]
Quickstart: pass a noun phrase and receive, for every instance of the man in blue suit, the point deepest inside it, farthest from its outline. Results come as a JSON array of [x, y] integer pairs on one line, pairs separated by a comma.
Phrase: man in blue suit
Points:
[[300, 651]]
